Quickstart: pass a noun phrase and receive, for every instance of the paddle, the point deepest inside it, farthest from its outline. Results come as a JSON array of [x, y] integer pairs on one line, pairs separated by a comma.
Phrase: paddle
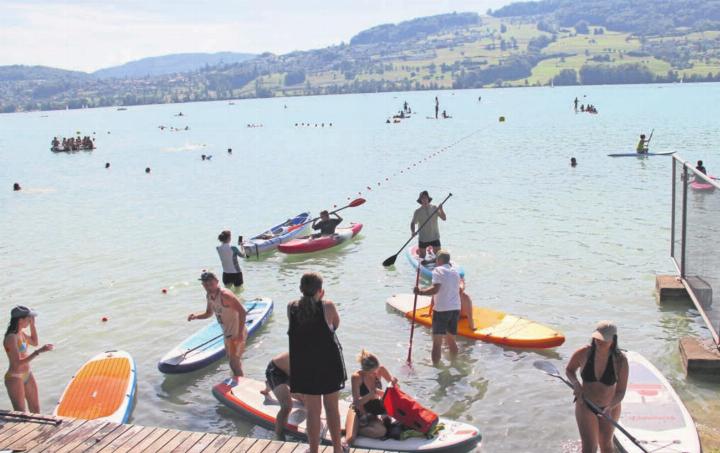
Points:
[[390, 261], [179, 358], [412, 327], [549, 368], [356, 202], [647, 143], [21, 416]]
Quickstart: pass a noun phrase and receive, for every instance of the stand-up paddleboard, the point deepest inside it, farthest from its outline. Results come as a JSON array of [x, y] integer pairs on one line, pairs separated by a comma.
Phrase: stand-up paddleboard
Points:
[[243, 396], [490, 325], [427, 268], [269, 240], [654, 413], [309, 244], [103, 388], [207, 345], [699, 185], [640, 154]]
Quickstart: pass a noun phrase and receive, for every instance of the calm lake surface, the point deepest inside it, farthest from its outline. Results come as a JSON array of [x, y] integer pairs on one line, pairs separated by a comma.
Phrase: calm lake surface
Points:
[[565, 247]]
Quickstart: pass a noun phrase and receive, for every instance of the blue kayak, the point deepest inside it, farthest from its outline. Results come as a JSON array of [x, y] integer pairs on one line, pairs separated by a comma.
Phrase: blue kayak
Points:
[[207, 345], [279, 234], [427, 268]]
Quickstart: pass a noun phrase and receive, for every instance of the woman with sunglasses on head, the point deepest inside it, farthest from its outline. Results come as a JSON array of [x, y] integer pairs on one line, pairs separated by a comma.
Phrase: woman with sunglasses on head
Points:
[[604, 372], [19, 380]]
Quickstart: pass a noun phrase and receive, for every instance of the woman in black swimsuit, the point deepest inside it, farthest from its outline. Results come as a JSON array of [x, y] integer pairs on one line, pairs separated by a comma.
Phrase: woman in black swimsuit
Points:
[[604, 381], [364, 415]]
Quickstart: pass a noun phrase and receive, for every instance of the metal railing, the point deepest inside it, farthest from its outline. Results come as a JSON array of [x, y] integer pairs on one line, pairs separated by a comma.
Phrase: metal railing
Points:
[[695, 239]]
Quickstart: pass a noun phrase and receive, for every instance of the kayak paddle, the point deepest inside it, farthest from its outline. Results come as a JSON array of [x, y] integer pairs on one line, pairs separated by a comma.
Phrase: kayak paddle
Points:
[[390, 261], [179, 358], [356, 202], [549, 369]]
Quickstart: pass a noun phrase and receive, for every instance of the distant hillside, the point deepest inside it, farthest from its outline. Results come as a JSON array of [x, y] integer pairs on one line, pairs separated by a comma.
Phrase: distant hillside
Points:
[[551, 42], [171, 64]]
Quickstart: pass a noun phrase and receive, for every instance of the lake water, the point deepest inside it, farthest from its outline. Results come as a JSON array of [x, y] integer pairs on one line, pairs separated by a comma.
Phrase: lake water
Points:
[[565, 247]]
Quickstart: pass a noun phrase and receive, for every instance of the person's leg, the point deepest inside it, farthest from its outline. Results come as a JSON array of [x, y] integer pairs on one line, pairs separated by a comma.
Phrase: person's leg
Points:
[[16, 391], [31, 394], [606, 431], [332, 418], [351, 426], [587, 426], [313, 407], [466, 309], [421, 250], [437, 348], [234, 350], [451, 330], [452, 346], [374, 430], [282, 393]]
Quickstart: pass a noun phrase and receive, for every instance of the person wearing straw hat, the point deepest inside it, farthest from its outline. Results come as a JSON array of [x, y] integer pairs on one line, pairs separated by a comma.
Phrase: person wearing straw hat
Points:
[[19, 380], [604, 372], [429, 235]]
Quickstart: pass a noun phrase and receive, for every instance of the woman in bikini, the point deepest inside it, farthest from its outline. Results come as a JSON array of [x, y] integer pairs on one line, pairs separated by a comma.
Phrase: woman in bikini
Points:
[[363, 418], [604, 381], [19, 380]]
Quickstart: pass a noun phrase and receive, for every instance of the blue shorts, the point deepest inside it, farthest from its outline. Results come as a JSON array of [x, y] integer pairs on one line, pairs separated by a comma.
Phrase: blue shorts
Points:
[[445, 322]]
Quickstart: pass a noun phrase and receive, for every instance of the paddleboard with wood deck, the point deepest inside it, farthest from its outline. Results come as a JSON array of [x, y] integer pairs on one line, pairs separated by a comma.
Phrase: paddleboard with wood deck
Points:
[[653, 413], [103, 388], [243, 396], [492, 326], [207, 345]]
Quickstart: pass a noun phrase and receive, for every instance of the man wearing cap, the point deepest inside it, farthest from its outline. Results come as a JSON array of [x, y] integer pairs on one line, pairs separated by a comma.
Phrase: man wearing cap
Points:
[[230, 314], [445, 305], [428, 235], [604, 371], [19, 380]]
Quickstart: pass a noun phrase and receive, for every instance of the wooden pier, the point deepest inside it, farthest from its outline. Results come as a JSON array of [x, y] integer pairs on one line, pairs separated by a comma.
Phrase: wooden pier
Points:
[[65, 435]]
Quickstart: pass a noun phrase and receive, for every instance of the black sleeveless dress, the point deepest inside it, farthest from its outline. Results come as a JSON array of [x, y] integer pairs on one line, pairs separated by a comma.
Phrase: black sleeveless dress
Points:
[[316, 362]]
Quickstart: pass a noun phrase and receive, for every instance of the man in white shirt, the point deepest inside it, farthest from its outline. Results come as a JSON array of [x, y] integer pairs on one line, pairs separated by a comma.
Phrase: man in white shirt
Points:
[[445, 305]]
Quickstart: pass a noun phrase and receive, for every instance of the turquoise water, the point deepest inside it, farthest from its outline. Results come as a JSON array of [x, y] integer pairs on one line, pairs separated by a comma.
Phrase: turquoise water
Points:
[[565, 247]]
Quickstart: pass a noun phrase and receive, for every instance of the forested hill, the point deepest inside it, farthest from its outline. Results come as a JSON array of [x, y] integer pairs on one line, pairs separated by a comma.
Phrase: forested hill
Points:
[[171, 64], [641, 17], [551, 42]]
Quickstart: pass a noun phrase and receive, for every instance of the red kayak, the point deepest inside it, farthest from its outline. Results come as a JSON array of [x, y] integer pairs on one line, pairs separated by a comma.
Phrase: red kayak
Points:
[[308, 244], [699, 185]]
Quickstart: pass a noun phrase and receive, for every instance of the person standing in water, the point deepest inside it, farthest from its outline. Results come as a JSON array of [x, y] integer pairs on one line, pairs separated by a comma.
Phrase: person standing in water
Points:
[[19, 380], [316, 362], [437, 107], [429, 235], [232, 274], [445, 305], [604, 372], [576, 104], [230, 314], [642, 146]]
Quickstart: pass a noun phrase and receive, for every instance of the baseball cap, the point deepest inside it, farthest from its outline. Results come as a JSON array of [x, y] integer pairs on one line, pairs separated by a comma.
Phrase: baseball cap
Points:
[[605, 330], [205, 276], [21, 311]]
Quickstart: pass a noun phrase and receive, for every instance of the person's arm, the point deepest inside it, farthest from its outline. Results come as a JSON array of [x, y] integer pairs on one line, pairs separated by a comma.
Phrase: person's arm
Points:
[[441, 213], [33, 340], [331, 314], [385, 374], [205, 315], [239, 251], [576, 361], [428, 291], [358, 401], [340, 219], [314, 224], [621, 386], [231, 301], [412, 223]]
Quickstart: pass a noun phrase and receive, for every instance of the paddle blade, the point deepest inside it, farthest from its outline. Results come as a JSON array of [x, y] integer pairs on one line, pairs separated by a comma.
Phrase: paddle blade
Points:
[[356, 202], [390, 261], [174, 361], [546, 367]]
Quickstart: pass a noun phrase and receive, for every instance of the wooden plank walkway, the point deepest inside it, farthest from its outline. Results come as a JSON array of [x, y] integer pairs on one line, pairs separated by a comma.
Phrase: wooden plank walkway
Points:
[[19, 433]]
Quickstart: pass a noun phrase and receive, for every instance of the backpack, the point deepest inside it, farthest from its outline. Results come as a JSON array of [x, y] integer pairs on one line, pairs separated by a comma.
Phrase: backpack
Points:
[[409, 412]]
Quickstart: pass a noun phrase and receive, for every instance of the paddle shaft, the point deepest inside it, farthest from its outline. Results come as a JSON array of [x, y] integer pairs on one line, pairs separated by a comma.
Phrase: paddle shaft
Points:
[[352, 204], [392, 258], [21, 416], [597, 411], [214, 338], [412, 326]]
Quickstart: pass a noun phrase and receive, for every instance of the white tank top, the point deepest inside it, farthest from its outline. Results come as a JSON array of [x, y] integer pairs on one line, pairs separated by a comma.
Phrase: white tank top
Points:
[[228, 258], [227, 318]]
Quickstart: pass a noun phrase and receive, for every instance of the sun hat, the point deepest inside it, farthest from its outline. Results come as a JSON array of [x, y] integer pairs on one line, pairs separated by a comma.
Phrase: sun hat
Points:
[[424, 192], [21, 311], [605, 330]]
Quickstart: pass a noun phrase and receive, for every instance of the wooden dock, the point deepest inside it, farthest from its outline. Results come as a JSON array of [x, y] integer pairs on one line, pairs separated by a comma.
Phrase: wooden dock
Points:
[[72, 435]]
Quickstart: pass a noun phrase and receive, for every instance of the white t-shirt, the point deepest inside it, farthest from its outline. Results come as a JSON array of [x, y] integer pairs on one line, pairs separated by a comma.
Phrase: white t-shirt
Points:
[[448, 296]]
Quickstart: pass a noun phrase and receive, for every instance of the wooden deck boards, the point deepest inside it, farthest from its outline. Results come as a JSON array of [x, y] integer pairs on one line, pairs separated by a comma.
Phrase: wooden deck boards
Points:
[[19, 432]]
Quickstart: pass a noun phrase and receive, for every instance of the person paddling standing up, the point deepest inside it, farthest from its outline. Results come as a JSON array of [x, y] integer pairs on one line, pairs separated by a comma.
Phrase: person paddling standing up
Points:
[[232, 274], [326, 225], [429, 235], [437, 107], [604, 381], [445, 305], [230, 314]]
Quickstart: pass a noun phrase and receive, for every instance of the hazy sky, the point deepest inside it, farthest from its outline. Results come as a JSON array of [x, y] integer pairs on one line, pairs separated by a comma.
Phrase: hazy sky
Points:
[[92, 34]]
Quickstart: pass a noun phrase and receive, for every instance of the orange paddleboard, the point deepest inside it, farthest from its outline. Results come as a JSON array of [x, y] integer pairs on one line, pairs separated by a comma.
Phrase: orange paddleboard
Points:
[[492, 326], [103, 388]]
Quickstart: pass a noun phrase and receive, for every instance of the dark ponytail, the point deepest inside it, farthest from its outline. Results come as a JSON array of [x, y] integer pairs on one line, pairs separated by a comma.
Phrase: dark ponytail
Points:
[[310, 284], [13, 326]]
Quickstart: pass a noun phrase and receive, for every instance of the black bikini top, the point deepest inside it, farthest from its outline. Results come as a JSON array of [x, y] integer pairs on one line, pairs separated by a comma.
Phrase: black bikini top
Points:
[[588, 372]]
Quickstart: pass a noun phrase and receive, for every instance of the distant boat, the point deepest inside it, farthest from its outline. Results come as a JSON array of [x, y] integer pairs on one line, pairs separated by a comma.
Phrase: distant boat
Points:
[[120, 109]]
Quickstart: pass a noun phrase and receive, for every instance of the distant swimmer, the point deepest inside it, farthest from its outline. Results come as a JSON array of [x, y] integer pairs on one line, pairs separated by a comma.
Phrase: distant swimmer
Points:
[[16, 187], [479, 98], [642, 146], [107, 164], [229, 150], [445, 115], [701, 168], [203, 157], [147, 170], [573, 162]]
